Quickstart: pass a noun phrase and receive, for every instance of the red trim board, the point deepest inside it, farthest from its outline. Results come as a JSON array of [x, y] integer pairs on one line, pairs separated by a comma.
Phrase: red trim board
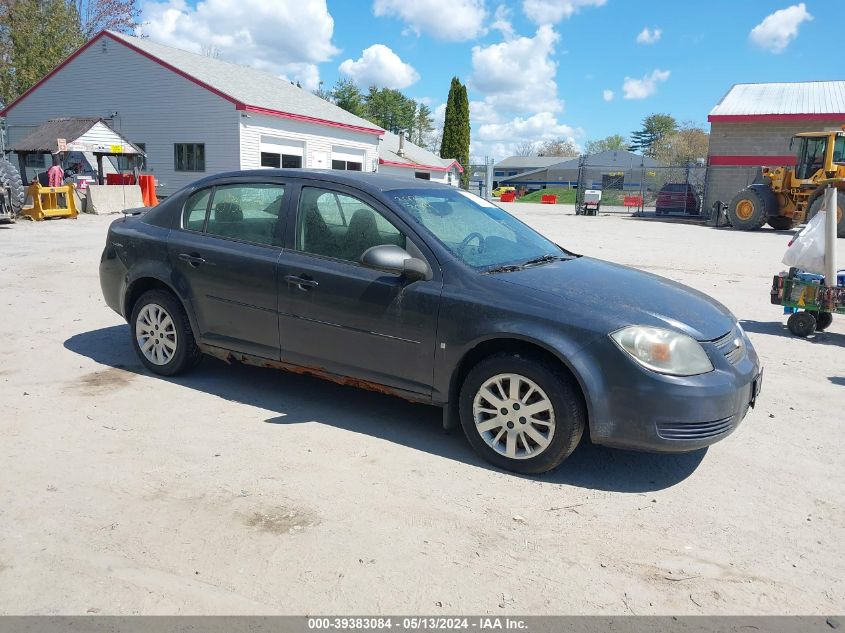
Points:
[[391, 163], [751, 161], [752, 118], [239, 105]]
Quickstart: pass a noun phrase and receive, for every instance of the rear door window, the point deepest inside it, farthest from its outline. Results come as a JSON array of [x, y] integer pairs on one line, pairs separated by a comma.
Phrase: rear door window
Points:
[[249, 212]]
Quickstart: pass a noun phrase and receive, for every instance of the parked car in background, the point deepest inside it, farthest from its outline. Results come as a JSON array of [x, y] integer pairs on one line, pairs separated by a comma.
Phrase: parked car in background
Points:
[[431, 293], [498, 191], [677, 198]]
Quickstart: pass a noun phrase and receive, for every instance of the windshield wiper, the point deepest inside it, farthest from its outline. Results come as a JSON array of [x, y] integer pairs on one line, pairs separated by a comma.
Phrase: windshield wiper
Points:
[[544, 259], [509, 268]]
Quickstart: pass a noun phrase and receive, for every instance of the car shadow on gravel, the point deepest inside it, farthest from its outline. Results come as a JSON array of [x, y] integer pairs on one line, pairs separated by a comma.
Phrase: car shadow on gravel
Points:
[[776, 328], [299, 399]]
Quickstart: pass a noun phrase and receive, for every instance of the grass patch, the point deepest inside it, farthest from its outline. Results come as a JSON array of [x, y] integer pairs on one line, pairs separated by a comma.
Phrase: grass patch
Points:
[[568, 196]]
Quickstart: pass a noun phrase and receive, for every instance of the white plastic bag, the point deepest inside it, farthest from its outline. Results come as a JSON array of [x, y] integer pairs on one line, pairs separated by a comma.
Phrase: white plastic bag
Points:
[[806, 250]]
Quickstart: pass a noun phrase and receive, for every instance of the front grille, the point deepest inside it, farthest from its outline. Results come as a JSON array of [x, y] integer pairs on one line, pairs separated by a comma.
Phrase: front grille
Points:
[[732, 345], [694, 430]]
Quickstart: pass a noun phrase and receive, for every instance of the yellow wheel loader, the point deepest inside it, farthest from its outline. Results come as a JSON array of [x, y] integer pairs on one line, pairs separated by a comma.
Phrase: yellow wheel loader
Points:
[[784, 197]]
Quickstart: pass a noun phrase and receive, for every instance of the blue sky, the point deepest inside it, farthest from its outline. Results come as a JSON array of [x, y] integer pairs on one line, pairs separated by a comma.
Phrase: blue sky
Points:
[[535, 69]]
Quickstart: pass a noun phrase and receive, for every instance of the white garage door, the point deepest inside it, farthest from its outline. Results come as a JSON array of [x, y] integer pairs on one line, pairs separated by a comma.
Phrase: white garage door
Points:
[[347, 158], [281, 152]]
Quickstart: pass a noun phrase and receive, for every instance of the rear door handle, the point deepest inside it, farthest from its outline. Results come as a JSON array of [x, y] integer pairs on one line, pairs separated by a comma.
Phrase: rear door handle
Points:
[[301, 282], [194, 259]]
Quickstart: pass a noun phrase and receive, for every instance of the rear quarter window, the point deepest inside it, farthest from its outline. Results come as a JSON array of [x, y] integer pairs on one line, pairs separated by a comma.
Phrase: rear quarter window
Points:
[[196, 207]]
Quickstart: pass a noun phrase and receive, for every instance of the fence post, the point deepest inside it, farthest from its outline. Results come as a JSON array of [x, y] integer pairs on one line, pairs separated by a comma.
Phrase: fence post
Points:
[[579, 194]]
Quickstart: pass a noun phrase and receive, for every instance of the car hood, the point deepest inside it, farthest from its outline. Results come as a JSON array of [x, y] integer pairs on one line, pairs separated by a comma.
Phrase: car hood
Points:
[[620, 296]]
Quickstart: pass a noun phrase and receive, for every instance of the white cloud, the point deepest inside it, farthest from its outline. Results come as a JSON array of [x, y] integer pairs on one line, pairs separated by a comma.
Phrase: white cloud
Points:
[[777, 30], [645, 87], [380, 66], [649, 36], [553, 11], [518, 75], [450, 20], [248, 32], [502, 22], [608, 95], [496, 137]]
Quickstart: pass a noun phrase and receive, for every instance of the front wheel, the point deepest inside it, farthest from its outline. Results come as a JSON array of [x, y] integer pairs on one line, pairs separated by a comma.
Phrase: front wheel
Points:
[[521, 414], [816, 206], [161, 334], [801, 324]]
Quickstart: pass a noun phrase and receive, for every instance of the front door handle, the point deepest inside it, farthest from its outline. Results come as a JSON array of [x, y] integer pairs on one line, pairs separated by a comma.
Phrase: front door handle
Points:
[[194, 259], [301, 282]]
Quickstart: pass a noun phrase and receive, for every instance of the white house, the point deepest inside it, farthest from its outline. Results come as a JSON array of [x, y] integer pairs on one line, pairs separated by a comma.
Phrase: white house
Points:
[[195, 115], [398, 156]]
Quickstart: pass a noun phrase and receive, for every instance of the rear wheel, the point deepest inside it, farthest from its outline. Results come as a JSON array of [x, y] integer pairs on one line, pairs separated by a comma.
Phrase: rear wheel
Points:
[[749, 209], [816, 206], [521, 414], [823, 320], [161, 334], [801, 324], [780, 222]]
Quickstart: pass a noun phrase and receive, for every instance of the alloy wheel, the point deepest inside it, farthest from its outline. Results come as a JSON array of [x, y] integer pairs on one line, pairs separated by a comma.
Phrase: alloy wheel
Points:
[[514, 416], [156, 334]]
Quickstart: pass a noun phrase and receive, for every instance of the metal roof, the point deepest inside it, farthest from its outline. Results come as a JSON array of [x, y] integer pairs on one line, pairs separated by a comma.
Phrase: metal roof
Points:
[[45, 138], [528, 162], [414, 154], [814, 98]]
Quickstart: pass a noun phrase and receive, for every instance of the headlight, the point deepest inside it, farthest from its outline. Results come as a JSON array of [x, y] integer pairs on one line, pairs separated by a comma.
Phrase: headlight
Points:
[[663, 351]]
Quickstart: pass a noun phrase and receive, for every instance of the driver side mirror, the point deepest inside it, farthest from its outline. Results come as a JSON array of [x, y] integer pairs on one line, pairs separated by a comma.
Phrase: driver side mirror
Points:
[[393, 259]]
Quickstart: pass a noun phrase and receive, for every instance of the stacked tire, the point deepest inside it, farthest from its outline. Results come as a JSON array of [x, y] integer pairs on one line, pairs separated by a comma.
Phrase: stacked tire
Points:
[[10, 180]]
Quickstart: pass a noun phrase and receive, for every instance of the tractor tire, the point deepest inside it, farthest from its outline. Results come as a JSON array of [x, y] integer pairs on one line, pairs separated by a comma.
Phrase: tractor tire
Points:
[[840, 211], [780, 222], [10, 177], [749, 209]]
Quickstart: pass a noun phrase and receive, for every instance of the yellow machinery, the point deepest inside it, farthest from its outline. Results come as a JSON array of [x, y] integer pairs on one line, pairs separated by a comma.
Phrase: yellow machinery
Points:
[[50, 202], [787, 196]]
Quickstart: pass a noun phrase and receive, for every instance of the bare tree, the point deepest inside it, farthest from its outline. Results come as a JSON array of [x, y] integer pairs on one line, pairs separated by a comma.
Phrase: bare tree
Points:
[[100, 15], [526, 148], [558, 147]]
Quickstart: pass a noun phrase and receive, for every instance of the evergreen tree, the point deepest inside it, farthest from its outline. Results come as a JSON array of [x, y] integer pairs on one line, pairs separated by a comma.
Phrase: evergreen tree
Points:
[[423, 126], [655, 127], [348, 96], [456, 128]]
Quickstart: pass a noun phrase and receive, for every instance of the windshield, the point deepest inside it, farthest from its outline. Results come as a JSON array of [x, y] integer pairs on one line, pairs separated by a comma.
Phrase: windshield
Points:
[[476, 231]]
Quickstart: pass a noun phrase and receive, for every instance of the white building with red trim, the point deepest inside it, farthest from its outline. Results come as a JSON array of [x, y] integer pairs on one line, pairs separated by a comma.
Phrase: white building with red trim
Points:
[[195, 115], [753, 124], [400, 157]]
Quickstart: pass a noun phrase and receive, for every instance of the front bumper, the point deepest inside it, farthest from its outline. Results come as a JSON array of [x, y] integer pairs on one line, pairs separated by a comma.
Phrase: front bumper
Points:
[[647, 411]]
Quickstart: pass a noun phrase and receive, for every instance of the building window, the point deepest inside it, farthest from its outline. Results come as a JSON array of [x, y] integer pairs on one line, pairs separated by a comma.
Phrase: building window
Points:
[[348, 165], [127, 162], [422, 175], [498, 173], [189, 156], [285, 161]]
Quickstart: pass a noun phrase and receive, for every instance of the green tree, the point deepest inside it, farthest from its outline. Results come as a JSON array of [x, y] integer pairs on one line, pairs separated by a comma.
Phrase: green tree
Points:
[[35, 36], [687, 145], [348, 96], [389, 109], [614, 141], [456, 128], [423, 126], [655, 127]]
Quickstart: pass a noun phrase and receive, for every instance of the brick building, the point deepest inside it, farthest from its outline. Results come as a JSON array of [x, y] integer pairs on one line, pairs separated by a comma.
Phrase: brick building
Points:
[[753, 124]]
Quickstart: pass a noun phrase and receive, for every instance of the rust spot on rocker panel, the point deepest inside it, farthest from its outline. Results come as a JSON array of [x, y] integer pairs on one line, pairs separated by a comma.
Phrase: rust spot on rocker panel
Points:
[[306, 370]]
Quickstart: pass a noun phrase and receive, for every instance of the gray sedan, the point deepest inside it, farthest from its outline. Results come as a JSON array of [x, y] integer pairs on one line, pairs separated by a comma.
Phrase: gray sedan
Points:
[[430, 293]]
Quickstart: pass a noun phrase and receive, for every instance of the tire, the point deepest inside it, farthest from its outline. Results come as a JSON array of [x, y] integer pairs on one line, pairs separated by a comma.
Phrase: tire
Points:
[[780, 222], [159, 307], [802, 324], [10, 177], [840, 211], [749, 209], [538, 384], [823, 320]]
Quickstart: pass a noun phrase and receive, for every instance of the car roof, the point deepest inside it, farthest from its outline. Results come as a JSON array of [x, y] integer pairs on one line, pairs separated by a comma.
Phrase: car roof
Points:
[[361, 180]]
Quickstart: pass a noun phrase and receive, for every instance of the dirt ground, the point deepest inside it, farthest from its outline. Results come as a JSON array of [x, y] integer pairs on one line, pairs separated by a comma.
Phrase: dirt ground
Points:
[[247, 491]]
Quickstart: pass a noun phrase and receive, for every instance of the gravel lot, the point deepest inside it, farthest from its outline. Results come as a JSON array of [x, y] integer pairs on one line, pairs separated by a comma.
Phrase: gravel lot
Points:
[[247, 491]]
